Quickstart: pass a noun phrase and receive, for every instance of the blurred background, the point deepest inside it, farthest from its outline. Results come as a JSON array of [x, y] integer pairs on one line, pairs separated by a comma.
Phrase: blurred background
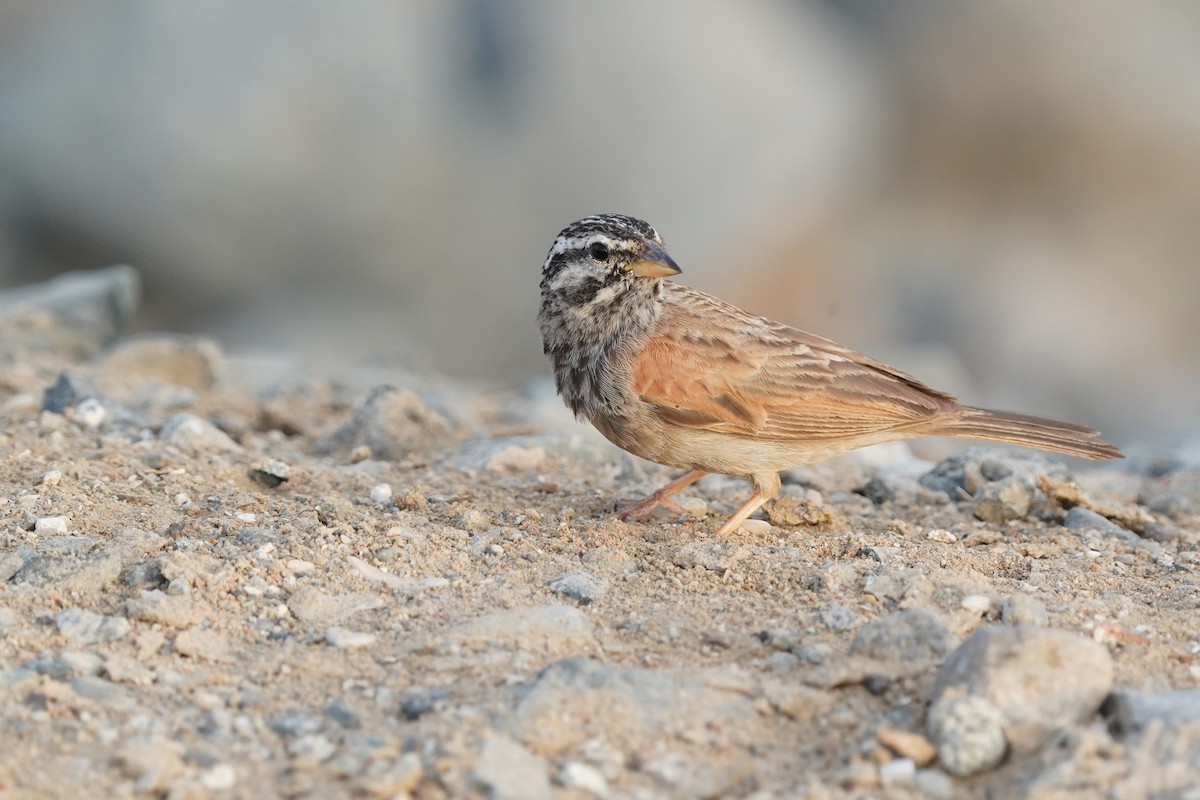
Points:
[[1002, 198]]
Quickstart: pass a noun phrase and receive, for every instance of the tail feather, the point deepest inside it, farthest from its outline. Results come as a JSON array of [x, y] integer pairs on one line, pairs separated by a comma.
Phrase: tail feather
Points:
[[1026, 430]]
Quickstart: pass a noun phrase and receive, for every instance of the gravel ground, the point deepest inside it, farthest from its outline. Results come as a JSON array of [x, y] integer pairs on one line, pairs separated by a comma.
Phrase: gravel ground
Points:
[[224, 578]]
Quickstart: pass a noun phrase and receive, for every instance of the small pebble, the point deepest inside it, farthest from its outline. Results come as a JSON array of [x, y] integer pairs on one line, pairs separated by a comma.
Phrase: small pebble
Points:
[[218, 778], [1024, 609], [51, 478], [898, 772], [419, 702], [381, 494], [246, 516], [755, 526], [969, 732], [90, 414], [582, 587], [936, 785], [296, 566], [780, 638], [838, 617], [577, 775], [913, 746], [344, 639], [978, 603], [942, 536], [813, 653], [50, 525]]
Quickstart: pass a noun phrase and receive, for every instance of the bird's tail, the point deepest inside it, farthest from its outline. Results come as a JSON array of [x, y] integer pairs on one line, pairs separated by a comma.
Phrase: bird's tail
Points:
[[1026, 430]]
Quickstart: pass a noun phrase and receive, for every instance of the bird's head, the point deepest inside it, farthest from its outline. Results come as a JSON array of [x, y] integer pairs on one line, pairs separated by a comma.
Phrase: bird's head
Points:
[[604, 252]]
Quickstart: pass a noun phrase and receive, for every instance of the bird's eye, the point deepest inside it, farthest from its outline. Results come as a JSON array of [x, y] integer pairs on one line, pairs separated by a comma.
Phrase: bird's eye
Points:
[[598, 251]]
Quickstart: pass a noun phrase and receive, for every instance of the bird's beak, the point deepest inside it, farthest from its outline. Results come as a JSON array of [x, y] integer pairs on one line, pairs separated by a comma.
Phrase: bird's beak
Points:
[[654, 262]]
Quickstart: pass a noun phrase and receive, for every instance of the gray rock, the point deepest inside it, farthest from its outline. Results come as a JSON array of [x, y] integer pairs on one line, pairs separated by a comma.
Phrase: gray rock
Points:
[[391, 423], [1041, 680], [513, 454], [577, 699], [911, 635], [1024, 609], [102, 691], [297, 723], [178, 360], [96, 306], [314, 607], [1172, 506], [1006, 499], [507, 771], [812, 653], [935, 784], [204, 644], [838, 617], [580, 586], [962, 475], [1089, 523], [344, 639], [417, 703], [92, 572], [969, 734], [271, 472], [687, 774], [1084, 519], [552, 629], [191, 432], [88, 627], [83, 664], [178, 611], [10, 565], [901, 489], [1160, 532], [340, 712], [780, 638], [153, 761], [92, 410], [713, 556], [1131, 712]]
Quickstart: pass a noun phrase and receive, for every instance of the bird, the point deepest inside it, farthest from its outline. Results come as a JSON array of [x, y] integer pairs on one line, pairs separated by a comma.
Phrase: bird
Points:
[[681, 378]]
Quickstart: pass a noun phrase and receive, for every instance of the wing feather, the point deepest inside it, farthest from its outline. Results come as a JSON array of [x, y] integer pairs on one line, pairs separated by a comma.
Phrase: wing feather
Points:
[[710, 365]]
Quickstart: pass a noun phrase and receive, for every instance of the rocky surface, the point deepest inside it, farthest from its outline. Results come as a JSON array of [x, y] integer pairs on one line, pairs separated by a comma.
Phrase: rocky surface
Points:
[[218, 586]]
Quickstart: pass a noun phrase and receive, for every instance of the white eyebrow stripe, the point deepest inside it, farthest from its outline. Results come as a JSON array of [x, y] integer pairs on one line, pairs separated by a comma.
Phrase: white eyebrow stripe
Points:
[[578, 242]]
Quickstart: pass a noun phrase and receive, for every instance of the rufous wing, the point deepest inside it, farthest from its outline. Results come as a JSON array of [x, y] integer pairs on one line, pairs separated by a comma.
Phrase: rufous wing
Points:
[[776, 383]]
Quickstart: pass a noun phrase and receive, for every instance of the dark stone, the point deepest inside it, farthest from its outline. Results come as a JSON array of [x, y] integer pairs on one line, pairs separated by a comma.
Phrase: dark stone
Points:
[[419, 702]]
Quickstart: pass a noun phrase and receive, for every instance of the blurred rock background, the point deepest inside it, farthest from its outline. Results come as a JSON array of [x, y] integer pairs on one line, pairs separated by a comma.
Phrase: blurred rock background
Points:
[[1002, 198]]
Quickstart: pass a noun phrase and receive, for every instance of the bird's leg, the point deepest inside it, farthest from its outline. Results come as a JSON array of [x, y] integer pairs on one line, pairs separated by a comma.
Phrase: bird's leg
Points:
[[663, 496], [766, 486]]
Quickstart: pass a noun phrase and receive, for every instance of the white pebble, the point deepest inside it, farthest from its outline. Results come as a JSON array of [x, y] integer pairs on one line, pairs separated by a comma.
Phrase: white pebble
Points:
[[940, 535], [898, 772], [979, 603], [344, 639], [182, 499], [218, 778], [577, 775], [50, 525], [755, 526], [381, 493], [296, 566], [51, 478], [90, 414], [246, 516]]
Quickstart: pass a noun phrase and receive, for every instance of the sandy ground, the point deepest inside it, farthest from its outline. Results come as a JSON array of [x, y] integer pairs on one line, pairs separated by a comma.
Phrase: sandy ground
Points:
[[221, 578]]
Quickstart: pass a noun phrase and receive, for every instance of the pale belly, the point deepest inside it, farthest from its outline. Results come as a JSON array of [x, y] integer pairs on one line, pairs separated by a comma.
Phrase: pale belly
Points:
[[710, 451]]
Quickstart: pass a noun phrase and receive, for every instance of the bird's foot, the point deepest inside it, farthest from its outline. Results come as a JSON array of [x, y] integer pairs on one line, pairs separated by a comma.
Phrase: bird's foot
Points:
[[663, 497]]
